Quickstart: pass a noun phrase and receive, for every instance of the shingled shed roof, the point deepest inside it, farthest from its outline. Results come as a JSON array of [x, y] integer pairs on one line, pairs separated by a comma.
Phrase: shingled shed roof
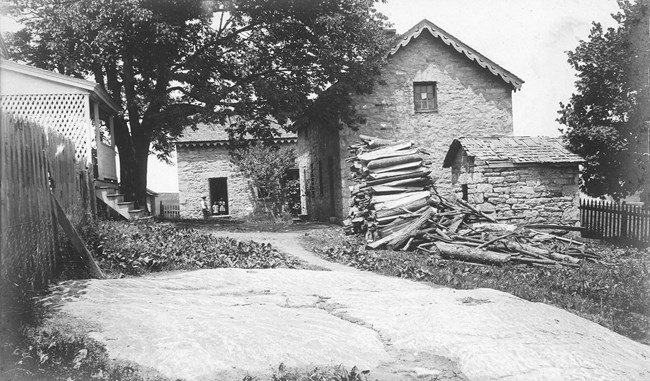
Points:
[[214, 135], [515, 149], [460, 47]]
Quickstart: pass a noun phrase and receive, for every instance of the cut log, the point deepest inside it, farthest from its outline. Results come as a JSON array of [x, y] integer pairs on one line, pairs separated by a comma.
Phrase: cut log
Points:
[[383, 175], [390, 237], [421, 173], [558, 238], [526, 249], [402, 201], [392, 161], [412, 182], [411, 207], [397, 167], [453, 227], [470, 254], [486, 244], [382, 189], [564, 258], [401, 196], [387, 152], [404, 234], [374, 142]]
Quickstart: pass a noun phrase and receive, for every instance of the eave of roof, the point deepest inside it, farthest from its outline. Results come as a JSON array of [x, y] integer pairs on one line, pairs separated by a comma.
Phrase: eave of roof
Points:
[[460, 47], [66, 80], [221, 143]]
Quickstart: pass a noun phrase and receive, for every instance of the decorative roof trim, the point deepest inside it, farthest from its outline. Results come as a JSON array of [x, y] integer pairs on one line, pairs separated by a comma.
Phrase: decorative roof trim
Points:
[[460, 47], [47, 75], [221, 143]]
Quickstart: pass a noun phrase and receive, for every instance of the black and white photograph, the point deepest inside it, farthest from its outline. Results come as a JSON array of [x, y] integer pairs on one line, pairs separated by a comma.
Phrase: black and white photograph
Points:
[[324, 190]]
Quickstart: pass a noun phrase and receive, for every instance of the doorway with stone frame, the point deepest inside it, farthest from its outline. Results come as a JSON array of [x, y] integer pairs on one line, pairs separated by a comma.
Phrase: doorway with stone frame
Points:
[[219, 192]]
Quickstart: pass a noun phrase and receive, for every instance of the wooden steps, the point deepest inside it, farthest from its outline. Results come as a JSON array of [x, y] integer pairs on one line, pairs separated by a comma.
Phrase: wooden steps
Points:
[[110, 194]]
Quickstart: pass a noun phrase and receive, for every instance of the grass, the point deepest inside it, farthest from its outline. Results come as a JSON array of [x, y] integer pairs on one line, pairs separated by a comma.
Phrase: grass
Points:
[[613, 296]]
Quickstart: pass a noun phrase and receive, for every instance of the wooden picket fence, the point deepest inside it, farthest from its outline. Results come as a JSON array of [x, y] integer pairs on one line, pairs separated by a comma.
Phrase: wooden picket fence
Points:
[[170, 211], [615, 221], [32, 160]]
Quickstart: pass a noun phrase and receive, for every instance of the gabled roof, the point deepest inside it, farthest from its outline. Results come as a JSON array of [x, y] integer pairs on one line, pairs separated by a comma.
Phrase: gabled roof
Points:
[[516, 149], [66, 80], [460, 47], [215, 135]]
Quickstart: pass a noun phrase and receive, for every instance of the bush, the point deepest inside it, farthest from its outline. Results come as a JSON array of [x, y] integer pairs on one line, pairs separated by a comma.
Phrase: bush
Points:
[[136, 248]]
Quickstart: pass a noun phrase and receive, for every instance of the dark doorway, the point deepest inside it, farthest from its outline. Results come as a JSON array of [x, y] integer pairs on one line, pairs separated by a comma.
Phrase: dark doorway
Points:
[[219, 192]]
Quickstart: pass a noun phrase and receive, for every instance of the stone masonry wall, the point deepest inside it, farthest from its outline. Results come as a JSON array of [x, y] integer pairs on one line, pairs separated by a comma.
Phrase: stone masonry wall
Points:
[[471, 102], [198, 164], [536, 192]]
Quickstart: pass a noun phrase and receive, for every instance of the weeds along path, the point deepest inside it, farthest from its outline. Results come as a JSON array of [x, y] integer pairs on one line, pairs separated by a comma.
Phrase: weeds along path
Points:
[[289, 243]]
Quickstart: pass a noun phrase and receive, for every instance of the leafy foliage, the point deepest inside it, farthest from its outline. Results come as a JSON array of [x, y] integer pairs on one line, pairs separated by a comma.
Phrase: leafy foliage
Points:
[[267, 168], [615, 297], [244, 64], [608, 117], [338, 373], [138, 248]]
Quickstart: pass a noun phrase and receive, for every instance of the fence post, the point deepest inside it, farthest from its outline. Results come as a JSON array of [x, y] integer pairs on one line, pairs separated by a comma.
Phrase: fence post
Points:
[[624, 215]]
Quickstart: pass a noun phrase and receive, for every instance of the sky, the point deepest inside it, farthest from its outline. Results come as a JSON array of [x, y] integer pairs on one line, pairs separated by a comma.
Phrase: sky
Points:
[[527, 37]]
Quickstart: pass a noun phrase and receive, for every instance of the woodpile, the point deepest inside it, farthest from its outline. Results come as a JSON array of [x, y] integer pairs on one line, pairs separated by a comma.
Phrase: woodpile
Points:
[[395, 204]]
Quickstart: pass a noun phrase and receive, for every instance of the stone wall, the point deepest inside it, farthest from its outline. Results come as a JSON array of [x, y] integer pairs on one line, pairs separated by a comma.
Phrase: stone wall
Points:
[[198, 164], [471, 102], [537, 192]]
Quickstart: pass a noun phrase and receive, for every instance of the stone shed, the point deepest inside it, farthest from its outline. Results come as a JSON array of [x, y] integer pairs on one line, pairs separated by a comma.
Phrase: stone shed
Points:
[[205, 169], [532, 177]]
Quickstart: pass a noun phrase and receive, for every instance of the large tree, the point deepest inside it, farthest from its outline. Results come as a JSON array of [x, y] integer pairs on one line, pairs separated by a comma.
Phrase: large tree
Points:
[[246, 64], [607, 118]]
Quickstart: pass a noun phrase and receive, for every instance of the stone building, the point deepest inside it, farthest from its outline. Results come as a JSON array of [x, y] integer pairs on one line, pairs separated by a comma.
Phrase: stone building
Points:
[[205, 169], [533, 177], [433, 89]]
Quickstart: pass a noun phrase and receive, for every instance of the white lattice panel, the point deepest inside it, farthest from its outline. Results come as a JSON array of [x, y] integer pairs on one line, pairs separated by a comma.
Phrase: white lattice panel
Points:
[[65, 113]]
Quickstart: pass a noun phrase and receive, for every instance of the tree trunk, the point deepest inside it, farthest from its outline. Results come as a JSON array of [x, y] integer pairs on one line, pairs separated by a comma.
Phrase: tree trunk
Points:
[[134, 155], [127, 159], [141, 148]]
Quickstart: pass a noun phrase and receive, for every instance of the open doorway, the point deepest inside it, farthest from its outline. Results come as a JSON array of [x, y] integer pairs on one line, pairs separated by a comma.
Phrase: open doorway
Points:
[[219, 194]]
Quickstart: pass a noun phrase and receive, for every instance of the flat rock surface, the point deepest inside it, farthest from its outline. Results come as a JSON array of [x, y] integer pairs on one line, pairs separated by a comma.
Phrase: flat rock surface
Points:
[[224, 323]]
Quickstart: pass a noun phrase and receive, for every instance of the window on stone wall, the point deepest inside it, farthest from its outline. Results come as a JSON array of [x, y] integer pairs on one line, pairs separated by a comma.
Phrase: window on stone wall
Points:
[[425, 97]]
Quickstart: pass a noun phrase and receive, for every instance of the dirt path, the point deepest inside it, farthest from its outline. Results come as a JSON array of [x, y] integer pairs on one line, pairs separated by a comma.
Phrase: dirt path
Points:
[[225, 323], [290, 243]]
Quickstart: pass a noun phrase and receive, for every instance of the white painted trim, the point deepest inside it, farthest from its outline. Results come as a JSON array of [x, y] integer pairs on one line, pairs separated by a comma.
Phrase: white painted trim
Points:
[[47, 75]]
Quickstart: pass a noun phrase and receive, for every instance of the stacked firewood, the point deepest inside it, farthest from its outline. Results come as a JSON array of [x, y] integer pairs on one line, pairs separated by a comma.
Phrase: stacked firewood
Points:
[[397, 207], [392, 182]]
